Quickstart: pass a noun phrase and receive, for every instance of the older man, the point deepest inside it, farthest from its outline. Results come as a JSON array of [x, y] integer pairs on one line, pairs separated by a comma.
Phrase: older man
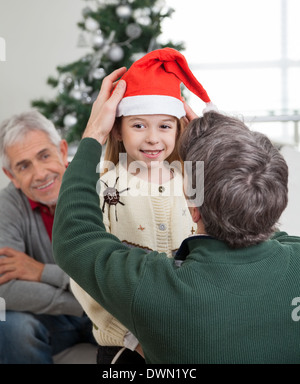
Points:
[[43, 317]]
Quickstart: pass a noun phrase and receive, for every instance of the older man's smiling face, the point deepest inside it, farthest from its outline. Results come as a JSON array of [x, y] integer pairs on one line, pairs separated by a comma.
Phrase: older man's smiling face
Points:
[[37, 166]]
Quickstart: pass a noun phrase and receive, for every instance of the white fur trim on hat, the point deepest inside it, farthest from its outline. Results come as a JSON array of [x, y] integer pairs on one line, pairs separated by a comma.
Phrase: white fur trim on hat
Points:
[[210, 107], [151, 105]]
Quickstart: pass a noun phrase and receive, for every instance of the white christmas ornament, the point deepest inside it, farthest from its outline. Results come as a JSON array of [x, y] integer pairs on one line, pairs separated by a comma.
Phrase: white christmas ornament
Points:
[[141, 12], [98, 40], [99, 73], [142, 16], [133, 31], [144, 20], [160, 7], [91, 24], [116, 53], [76, 93], [70, 120], [84, 88], [123, 11], [66, 79], [137, 56]]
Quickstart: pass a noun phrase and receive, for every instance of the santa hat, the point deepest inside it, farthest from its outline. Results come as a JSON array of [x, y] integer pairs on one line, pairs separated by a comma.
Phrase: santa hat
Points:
[[153, 85]]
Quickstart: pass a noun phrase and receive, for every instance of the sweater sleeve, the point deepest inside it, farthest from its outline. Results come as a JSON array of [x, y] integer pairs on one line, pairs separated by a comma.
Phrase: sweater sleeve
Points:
[[106, 269], [106, 329]]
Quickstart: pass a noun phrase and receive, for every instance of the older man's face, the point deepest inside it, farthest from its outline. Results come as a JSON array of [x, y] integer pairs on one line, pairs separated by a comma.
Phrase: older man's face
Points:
[[37, 167]]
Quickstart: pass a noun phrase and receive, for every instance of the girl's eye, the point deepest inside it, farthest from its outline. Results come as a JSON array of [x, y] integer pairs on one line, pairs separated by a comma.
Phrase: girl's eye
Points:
[[165, 126], [139, 126]]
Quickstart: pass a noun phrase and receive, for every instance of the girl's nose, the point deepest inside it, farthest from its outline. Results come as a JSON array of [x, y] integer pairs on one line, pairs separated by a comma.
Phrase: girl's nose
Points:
[[152, 136]]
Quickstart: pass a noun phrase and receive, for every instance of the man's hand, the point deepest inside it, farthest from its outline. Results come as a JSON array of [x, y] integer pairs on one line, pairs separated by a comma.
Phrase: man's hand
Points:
[[103, 113], [18, 265], [190, 114]]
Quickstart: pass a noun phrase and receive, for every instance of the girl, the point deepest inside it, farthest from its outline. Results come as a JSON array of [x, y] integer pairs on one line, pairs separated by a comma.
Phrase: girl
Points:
[[141, 187]]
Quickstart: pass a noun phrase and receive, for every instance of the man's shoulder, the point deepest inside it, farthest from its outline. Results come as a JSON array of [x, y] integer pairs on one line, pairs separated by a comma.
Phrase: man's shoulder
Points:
[[11, 194]]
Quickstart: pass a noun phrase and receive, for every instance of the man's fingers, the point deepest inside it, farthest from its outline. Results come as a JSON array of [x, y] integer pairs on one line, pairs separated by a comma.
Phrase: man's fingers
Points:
[[190, 114], [103, 113], [7, 251], [7, 277], [7, 268], [119, 91], [116, 74], [108, 84], [109, 81]]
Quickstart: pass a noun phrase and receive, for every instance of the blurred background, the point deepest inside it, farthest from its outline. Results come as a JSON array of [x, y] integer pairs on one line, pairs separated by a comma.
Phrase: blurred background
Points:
[[245, 53]]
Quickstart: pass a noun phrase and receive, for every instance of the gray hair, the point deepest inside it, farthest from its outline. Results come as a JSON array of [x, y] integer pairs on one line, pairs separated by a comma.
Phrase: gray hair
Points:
[[245, 179], [15, 128]]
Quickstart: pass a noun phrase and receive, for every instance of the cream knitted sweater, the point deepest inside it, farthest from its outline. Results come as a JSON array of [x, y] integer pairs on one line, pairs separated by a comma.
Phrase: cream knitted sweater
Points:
[[148, 216]]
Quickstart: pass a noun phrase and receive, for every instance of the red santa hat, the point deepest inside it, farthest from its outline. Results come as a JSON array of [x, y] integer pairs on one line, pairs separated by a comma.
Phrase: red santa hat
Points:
[[153, 85]]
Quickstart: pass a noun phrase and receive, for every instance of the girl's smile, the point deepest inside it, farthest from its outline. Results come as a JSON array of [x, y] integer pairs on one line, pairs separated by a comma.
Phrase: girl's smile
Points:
[[148, 137], [152, 154]]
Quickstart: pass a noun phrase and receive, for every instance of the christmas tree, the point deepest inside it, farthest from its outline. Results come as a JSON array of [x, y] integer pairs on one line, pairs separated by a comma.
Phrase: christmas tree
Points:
[[118, 33]]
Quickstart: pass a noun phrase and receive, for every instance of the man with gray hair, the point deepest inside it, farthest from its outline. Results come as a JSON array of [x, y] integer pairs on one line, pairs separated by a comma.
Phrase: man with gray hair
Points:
[[42, 315]]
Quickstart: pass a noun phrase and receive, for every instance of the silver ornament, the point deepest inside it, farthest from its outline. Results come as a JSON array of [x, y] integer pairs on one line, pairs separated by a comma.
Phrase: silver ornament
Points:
[[141, 12], [91, 24], [84, 88], [86, 99], [98, 40], [133, 31], [144, 20], [68, 80], [61, 88], [142, 16], [124, 11], [99, 73], [70, 120], [137, 56], [76, 94], [116, 53]]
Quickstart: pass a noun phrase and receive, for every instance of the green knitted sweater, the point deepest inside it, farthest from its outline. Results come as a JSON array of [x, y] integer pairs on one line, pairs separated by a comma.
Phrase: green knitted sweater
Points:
[[217, 306]]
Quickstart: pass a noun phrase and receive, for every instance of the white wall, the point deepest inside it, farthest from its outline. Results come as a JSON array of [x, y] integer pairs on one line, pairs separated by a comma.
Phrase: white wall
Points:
[[289, 221], [39, 36]]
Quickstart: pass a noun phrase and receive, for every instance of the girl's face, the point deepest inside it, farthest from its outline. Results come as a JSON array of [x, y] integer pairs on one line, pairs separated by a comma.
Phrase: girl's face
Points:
[[148, 138]]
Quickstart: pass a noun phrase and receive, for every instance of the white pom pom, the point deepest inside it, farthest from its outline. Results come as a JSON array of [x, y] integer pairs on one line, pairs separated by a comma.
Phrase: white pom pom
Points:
[[210, 107]]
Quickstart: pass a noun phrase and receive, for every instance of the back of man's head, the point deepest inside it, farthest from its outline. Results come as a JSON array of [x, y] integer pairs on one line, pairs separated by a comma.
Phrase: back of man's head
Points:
[[245, 179], [14, 129]]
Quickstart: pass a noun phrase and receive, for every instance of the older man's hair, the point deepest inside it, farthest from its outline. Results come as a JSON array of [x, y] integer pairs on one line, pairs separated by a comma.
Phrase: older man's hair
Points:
[[15, 128], [245, 179]]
